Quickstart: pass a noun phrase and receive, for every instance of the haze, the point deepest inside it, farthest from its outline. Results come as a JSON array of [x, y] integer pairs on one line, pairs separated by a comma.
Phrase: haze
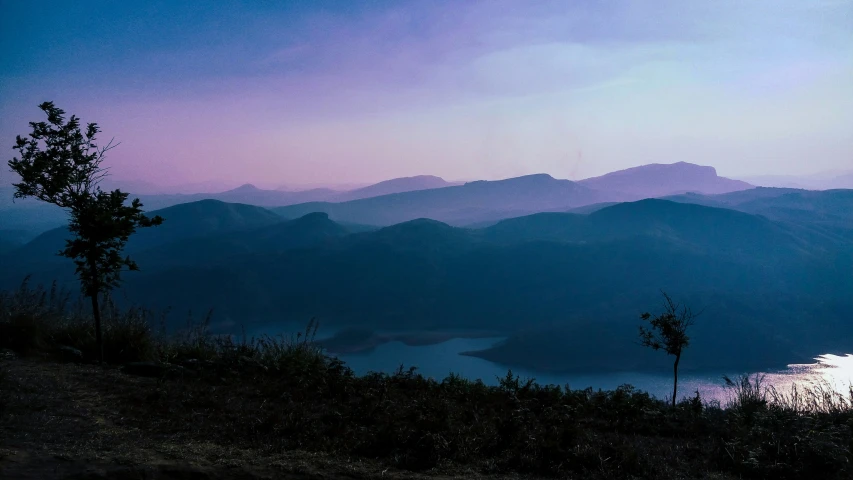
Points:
[[299, 93]]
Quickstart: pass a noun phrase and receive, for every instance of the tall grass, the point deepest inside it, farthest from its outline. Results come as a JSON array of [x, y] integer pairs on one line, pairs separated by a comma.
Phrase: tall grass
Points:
[[36, 319], [820, 397], [751, 393]]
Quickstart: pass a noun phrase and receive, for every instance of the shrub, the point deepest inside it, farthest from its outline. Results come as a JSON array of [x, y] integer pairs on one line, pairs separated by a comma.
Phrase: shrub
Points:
[[38, 319]]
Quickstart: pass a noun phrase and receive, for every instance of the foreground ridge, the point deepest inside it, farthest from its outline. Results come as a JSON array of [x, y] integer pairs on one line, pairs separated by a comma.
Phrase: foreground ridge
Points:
[[199, 406]]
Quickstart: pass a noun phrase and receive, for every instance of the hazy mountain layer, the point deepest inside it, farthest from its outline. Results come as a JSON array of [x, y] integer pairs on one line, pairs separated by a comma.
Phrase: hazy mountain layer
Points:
[[396, 185], [656, 180], [479, 203], [459, 205], [825, 181], [567, 288]]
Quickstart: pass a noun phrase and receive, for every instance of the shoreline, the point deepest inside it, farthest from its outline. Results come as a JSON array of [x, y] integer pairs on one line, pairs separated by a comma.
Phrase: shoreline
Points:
[[354, 341]]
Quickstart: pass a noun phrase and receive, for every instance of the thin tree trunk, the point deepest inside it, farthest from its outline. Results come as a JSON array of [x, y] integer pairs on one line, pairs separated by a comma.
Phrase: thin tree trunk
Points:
[[99, 340], [675, 382]]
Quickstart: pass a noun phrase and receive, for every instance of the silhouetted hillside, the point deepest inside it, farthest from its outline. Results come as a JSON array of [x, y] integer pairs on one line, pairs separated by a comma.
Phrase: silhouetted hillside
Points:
[[706, 229], [310, 230], [252, 195], [184, 221], [829, 211], [557, 274], [459, 205], [28, 215], [395, 185], [245, 194]]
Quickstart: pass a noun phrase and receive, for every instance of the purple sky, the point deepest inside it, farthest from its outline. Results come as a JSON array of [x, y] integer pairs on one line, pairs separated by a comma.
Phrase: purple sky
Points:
[[352, 92]]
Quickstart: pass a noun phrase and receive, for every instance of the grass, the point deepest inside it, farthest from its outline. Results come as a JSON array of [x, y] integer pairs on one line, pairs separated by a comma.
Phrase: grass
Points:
[[283, 393]]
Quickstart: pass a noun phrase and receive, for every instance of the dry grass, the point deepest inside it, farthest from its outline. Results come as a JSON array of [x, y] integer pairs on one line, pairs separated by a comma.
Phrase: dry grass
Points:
[[239, 402]]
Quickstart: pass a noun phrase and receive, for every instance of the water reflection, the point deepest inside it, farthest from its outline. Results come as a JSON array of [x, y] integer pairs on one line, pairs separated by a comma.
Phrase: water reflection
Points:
[[833, 371], [439, 360]]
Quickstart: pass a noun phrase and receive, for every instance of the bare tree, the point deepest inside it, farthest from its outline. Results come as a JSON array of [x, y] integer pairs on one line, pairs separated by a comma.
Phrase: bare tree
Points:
[[668, 332]]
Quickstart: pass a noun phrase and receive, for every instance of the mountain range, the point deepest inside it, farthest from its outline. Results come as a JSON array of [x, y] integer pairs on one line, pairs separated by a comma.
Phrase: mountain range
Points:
[[401, 199], [565, 288], [481, 202]]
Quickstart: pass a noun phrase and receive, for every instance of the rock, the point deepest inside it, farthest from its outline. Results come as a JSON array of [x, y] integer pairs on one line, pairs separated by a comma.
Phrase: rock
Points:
[[69, 354]]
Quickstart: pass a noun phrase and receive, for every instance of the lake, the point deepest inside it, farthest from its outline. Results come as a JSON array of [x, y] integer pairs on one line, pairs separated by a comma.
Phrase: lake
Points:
[[440, 359]]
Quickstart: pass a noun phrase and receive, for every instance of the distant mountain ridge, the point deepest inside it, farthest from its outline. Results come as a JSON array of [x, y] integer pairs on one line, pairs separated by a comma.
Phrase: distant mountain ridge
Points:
[[656, 180], [407, 198], [458, 205], [484, 201], [395, 185], [824, 181]]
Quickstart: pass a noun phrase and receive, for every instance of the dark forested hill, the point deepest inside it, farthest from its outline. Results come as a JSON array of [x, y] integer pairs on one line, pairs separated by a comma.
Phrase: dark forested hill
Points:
[[184, 221], [827, 211], [550, 281]]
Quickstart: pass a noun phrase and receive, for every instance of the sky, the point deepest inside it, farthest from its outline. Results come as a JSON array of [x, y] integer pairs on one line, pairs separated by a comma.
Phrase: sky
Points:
[[334, 92]]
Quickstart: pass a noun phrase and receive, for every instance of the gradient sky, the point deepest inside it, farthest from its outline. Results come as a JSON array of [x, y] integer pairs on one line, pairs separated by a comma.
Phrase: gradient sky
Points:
[[294, 92]]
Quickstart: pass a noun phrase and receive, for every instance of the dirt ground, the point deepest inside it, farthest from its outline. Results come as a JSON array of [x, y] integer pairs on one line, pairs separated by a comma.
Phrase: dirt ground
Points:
[[66, 421]]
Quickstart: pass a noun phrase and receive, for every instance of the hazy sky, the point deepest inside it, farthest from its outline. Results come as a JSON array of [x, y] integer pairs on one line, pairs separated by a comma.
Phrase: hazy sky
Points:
[[346, 91]]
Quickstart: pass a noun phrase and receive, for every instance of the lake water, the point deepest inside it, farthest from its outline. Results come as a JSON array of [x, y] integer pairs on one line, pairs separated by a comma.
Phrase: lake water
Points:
[[441, 359]]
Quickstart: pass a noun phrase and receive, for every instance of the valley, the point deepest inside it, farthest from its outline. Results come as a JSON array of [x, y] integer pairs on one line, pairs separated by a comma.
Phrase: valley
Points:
[[769, 268]]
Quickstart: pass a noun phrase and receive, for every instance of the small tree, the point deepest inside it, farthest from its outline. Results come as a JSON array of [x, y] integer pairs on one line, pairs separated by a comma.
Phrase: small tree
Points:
[[60, 164], [668, 332]]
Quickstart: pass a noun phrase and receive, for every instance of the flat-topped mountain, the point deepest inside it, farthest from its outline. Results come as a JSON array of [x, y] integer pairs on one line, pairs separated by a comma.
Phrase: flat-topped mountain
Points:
[[655, 180]]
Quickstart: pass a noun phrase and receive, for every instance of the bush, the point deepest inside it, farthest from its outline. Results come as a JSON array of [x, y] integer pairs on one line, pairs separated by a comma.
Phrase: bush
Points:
[[40, 320]]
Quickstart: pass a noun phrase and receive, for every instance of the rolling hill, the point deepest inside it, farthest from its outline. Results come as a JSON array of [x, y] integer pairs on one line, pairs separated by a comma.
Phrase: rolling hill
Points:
[[181, 222], [828, 211], [775, 281], [395, 185], [401, 199], [481, 202], [312, 229], [549, 281], [576, 285], [458, 205]]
